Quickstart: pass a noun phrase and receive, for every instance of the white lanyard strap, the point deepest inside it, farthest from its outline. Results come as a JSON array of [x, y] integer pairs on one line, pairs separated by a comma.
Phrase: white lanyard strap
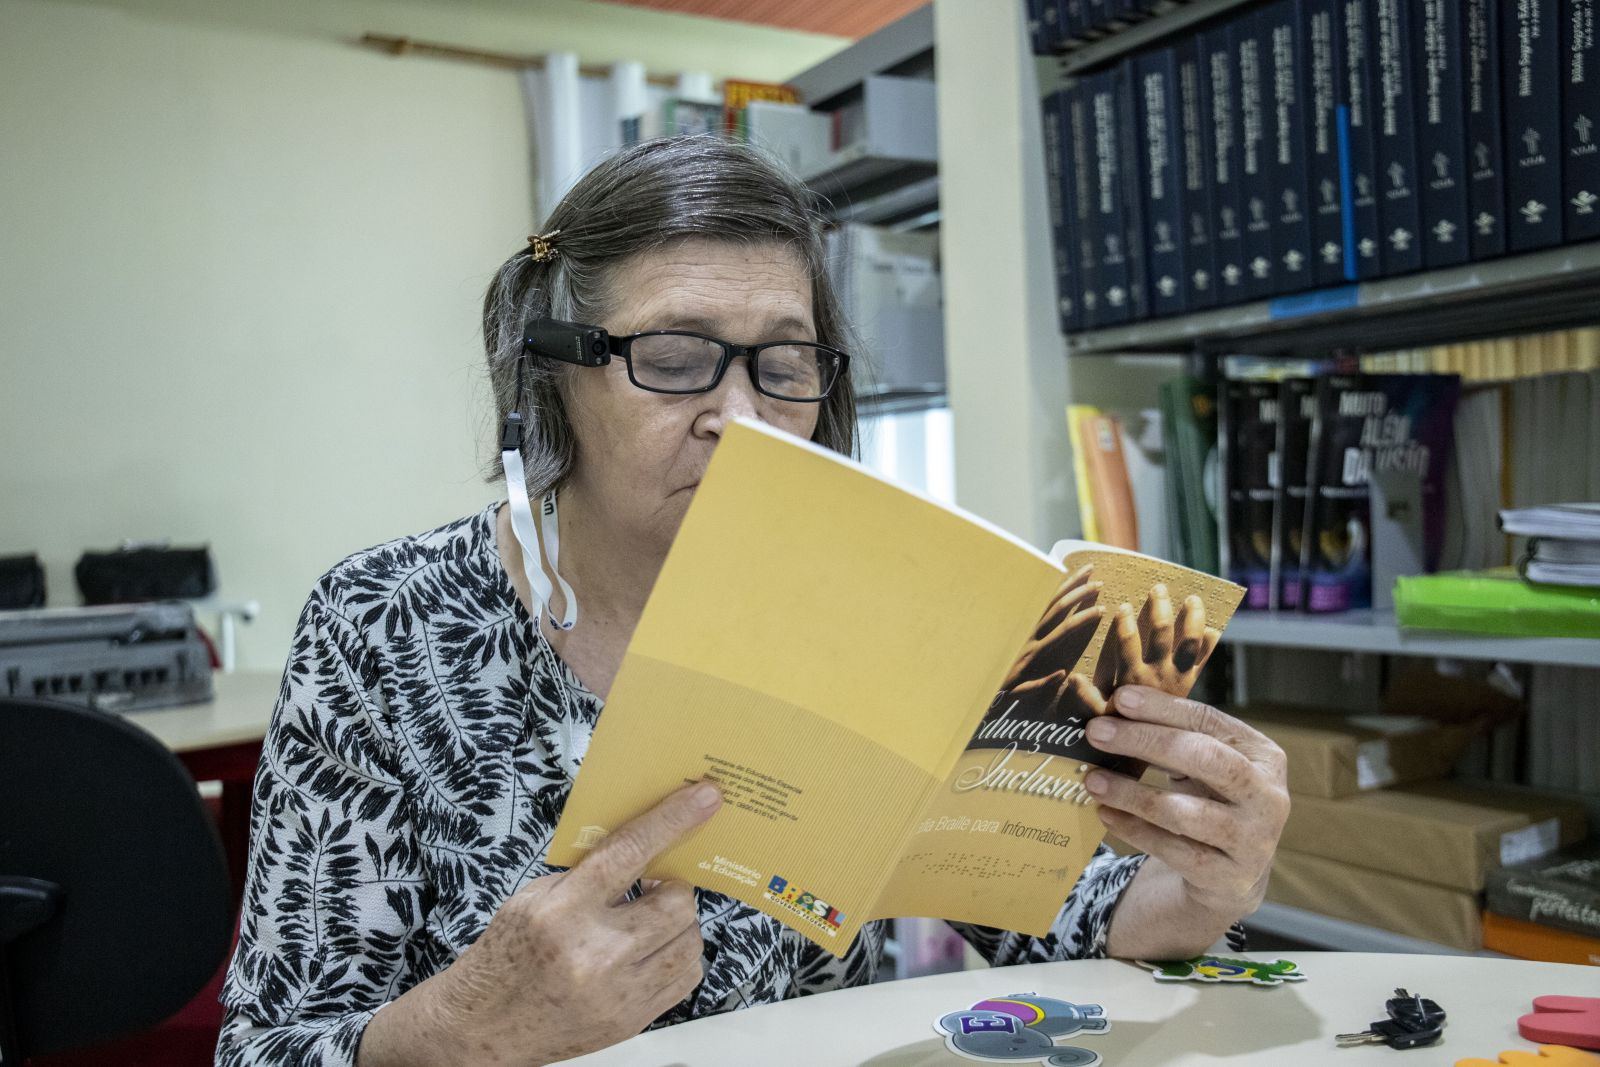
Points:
[[539, 587]]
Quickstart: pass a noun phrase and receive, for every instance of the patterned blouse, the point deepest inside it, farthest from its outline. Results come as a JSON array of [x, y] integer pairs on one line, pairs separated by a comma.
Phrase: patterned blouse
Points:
[[423, 743]]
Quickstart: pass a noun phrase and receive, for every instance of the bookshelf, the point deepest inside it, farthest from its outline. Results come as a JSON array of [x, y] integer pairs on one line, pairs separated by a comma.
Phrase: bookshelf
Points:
[[1532, 292], [890, 174], [1327, 932], [1369, 631], [880, 97], [1086, 55], [1536, 291]]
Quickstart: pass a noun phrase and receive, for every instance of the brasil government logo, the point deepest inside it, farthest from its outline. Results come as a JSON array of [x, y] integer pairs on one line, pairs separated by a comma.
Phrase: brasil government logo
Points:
[[806, 905], [1022, 1028]]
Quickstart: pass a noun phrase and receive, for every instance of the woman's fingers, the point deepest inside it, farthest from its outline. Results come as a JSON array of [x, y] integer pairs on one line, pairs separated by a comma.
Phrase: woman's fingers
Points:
[[1144, 704], [1195, 862], [1218, 766], [1189, 634]]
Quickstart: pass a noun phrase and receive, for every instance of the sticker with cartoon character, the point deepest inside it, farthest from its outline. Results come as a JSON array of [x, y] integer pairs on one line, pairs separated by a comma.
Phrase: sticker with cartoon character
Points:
[[1023, 1027], [1224, 969]]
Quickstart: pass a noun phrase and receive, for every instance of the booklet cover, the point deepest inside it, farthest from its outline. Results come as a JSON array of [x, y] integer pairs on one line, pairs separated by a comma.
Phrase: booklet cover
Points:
[[1253, 473], [1366, 427], [891, 693]]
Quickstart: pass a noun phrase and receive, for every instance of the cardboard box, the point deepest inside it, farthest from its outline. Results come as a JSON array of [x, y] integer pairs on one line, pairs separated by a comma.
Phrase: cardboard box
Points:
[[1533, 941], [1358, 894], [1448, 833], [1333, 755]]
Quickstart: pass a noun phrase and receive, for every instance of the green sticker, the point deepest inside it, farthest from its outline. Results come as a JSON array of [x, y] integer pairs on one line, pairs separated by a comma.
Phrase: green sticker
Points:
[[1224, 969]]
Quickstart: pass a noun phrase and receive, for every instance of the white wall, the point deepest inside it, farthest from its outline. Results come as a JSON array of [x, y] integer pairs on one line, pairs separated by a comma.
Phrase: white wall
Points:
[[241, 262], [1005, 358]]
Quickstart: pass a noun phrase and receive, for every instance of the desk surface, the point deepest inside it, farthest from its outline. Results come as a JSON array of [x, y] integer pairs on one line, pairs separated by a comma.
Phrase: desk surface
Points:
[[239, 712], [1167, 1023]]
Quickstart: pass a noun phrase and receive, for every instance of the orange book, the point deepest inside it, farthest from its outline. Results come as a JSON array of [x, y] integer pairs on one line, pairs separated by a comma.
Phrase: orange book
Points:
[[1533, 941], [1100, 438]]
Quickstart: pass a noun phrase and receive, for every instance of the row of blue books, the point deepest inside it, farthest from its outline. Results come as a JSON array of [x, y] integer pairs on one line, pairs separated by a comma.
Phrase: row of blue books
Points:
[[1302, 144], [1053, 24]]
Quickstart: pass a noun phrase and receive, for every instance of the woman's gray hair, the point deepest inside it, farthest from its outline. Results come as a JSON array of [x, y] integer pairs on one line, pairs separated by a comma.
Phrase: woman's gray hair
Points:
[[639, 200]]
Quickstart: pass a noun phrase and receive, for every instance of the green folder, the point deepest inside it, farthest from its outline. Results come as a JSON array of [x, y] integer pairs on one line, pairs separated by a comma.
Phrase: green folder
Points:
[[1496, 602]]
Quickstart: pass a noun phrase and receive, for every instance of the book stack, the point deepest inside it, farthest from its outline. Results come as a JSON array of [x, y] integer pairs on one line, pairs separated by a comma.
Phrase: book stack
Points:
[[1548, 909], [1563, 543], [1302, 144]]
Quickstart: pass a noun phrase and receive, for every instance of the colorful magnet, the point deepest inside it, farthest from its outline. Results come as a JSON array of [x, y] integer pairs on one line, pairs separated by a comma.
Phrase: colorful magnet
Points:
[[1022, 1027], [1547, 1056], [1224, 969]]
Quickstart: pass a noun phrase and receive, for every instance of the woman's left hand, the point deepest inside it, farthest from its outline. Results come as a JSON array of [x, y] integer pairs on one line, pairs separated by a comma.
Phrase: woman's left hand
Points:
[[1218, 825]]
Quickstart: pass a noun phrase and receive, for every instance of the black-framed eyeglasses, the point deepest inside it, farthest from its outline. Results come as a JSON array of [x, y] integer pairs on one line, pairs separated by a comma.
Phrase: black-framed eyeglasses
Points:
[[682, 361]]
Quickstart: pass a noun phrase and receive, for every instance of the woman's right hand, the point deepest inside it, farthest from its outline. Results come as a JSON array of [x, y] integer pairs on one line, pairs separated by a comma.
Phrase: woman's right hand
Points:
[[566, 965]]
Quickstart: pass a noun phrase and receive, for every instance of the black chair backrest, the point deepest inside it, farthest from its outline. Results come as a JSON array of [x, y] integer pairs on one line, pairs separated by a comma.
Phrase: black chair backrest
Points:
[[97, 806]]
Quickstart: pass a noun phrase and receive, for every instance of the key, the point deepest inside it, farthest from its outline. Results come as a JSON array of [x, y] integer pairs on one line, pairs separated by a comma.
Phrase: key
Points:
[[1413, 1022], [1392, 1033], [1414, 1012]]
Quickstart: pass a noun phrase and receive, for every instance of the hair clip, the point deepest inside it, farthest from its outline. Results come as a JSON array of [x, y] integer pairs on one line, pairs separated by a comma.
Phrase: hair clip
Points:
[[542, 245]]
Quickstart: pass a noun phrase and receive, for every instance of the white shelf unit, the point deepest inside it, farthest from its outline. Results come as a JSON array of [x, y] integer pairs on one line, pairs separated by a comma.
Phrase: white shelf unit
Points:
[[1326, 932], [1369, 631], [995, 223]]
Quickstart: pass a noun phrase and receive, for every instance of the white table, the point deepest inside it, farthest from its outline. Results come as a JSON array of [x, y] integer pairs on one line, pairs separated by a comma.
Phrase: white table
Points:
[[238, 713], [1170, 1024], [220, 740]]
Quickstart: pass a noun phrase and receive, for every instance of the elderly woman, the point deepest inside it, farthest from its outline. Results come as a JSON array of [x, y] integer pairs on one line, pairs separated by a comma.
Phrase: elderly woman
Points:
[[441, 689]]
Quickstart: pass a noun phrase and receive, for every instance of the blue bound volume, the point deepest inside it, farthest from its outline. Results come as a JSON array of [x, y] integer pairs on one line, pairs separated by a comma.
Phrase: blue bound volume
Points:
[[1074, 19], [1085, 215], [1114, 303], [1532, 101], [1129, 188], [1058, 168], [1255, 181], [1283, 34], [1395, 105], [1194, 106], [1161, 149], [1320, 55], [1218, 66], [1358, 148], [1486, 176], [1441, 139], [1580, 122]]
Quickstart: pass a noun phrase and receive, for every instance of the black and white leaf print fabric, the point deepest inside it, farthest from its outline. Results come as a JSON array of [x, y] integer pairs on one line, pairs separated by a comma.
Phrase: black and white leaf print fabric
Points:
[[423, 743]]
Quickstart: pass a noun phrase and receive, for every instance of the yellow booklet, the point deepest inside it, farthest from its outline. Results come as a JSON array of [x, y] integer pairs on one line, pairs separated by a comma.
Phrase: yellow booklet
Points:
[[841, 655]]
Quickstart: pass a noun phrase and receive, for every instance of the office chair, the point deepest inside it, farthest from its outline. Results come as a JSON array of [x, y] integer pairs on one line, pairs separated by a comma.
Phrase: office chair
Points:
[[115, 907]]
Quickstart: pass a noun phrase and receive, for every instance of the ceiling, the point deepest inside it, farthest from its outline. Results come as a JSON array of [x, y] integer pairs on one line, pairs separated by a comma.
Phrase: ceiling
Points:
[[840, 18]]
